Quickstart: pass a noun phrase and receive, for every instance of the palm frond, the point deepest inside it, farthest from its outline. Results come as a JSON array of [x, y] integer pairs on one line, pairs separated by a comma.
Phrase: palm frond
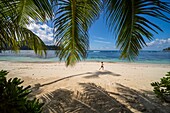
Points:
[[35, 9], [128, 19], [28, 38], [20, 11], [14, 36], [73, 19], [7, 9], [15, 15]]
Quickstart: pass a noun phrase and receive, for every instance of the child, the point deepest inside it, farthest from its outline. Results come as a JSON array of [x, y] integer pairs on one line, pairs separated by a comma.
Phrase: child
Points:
[[102, 66]]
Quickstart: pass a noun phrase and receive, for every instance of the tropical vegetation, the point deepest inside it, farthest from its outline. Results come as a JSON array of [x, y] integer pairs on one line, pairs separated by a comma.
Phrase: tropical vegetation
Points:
[[162, 88], [14, 97], [126, 19], [15, 15]]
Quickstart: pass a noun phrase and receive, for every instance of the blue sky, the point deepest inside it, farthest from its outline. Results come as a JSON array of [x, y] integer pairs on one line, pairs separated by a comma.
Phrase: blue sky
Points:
[[101, 39]]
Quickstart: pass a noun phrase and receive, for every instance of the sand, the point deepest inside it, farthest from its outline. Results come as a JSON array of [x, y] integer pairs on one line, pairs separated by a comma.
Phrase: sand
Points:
[[51, 76]]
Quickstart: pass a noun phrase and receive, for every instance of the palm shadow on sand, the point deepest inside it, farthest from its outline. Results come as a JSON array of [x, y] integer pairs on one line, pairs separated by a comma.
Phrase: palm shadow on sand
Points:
[[90, 75], [97, 74], [142, 101], [95, 99], [92, 99]]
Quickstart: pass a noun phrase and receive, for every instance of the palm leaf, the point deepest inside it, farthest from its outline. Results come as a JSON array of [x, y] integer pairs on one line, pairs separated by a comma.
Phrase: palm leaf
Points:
[[73, 19], [14, 36], [35, 9], [15, 15], [128, 20]]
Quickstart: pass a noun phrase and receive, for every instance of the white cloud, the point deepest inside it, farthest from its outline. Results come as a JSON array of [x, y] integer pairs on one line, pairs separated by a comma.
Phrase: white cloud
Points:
[[158, 44], [97, 37], [102, 41], [43, 31]]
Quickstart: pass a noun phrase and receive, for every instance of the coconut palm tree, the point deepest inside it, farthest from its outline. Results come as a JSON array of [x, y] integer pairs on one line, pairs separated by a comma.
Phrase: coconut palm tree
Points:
[[127, 19], [15, 15]]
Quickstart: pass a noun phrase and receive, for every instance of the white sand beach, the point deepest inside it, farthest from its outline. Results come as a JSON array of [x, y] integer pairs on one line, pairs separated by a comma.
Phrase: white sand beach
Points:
[[52, 76]]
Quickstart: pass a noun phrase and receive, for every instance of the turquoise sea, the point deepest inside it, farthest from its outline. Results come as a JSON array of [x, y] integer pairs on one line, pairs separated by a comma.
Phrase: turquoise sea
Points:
[[156, 57]]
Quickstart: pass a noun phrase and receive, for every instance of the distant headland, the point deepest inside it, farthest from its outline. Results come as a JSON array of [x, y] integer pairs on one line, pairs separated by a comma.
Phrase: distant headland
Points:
[[48, 47], [167, 49]]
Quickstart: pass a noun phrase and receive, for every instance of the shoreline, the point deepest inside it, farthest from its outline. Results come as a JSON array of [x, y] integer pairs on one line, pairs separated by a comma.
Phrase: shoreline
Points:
[[142, 63]]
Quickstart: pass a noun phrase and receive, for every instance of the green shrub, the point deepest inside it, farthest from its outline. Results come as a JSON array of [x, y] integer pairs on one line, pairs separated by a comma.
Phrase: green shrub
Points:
[[14, 97], [162, 88]]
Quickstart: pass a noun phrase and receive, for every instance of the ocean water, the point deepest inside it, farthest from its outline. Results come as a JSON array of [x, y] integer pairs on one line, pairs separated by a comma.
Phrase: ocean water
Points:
[[156, 57]]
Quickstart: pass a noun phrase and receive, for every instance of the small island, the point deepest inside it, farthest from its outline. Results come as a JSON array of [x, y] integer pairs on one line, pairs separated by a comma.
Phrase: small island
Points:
[[167, 49], [48, 47]]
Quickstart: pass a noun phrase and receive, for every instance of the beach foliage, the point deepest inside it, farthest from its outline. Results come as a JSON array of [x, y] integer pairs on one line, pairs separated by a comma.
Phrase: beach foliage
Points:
[[162, 88], [14, 97], [126, 19]]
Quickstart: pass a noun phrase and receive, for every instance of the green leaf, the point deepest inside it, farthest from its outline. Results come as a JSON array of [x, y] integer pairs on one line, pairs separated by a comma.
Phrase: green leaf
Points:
[[15, 15], [73, 19], [162, 88], [14, 97]]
